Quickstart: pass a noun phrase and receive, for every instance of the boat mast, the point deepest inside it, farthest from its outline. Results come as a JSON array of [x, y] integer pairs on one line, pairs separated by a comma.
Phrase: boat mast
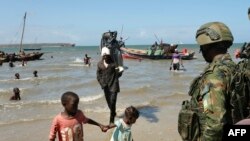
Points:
[[21, 44]]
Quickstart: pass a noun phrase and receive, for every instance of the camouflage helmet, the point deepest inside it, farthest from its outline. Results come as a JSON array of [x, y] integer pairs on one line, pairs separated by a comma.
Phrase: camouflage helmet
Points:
[[213, 32]]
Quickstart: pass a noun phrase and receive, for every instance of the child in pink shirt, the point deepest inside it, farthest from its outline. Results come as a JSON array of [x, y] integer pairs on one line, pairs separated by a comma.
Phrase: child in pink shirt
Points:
[[68, 124]]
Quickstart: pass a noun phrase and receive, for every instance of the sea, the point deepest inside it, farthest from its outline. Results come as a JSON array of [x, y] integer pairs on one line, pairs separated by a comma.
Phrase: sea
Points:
[[61, 69]]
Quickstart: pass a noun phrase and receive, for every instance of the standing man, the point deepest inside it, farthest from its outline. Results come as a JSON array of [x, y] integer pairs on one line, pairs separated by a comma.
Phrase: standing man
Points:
[[108, 77], [209, 107], [176, 61]]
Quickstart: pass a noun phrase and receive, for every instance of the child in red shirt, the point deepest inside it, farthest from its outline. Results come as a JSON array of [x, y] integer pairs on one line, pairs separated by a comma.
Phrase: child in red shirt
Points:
[[68, 124]]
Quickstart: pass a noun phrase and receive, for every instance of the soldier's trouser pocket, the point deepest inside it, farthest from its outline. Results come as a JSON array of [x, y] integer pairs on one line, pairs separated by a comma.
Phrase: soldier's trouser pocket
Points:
[[187, 123]]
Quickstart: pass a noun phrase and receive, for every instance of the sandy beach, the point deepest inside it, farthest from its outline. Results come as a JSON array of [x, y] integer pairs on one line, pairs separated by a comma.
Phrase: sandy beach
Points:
[[159, 124]]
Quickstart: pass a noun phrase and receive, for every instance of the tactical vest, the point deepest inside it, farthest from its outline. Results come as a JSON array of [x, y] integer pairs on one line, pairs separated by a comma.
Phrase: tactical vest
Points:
[[240, 92], [191, 116]]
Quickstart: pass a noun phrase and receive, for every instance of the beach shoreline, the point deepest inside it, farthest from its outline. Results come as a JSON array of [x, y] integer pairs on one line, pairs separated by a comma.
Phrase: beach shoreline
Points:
[[156, 122]]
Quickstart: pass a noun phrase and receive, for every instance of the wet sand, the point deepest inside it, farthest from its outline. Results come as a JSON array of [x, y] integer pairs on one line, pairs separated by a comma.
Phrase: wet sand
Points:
[[157, 122]]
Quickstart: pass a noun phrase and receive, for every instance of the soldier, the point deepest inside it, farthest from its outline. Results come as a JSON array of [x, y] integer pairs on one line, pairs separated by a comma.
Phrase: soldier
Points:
[[208, 109]]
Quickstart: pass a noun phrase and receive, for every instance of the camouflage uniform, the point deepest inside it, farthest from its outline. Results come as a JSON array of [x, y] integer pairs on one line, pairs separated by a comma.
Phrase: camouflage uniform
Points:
[[209, 94]]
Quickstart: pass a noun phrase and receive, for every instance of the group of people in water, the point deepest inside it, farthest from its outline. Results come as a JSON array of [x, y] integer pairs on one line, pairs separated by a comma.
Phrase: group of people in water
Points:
[[17, 75], [16, 91]]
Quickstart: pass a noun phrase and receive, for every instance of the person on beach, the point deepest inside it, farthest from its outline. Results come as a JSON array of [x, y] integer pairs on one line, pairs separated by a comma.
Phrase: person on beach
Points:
[[17, 76], [122, 131], [108, 77], [209, 106], [69, 123], [87, 60], [35, 73], [176, 61], [16, 95]]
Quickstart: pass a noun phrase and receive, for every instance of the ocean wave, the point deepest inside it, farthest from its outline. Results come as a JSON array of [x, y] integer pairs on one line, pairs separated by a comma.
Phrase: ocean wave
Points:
[[78, 60], [55, 69], [78, 65], [2, 91], [85, 84], [16, 121], [91, 98], [20, 104], [9, 91], [5, 80], [25, 79], [120, 108], [144, 108], [138, 90]]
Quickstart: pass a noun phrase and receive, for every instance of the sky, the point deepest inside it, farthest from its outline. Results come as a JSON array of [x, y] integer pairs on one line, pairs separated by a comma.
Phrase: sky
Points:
[[141, 22]]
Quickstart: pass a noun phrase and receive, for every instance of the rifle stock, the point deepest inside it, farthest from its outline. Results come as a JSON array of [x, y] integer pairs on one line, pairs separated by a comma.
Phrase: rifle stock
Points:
[[245, 51]]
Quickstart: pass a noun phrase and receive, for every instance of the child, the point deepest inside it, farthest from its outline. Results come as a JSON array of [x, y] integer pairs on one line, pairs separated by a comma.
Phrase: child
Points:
[[35, 73], [17, 76], [123, 126], [68, 124], [16, 95]]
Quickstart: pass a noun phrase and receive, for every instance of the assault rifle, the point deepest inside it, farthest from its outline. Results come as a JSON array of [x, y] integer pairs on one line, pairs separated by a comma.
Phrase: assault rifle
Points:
[[245, 51]]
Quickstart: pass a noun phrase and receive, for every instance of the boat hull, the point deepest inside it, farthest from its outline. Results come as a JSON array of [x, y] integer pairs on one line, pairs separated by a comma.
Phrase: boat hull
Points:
[[29, 57], [31, 49], [142, 54], [26, 57]]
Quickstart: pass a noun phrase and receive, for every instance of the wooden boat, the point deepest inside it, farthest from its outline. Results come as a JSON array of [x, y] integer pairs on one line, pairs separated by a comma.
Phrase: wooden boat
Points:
[[129, 56], [31, 49], [157, 54], [29, 57], [21, 56], [26, 56]]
